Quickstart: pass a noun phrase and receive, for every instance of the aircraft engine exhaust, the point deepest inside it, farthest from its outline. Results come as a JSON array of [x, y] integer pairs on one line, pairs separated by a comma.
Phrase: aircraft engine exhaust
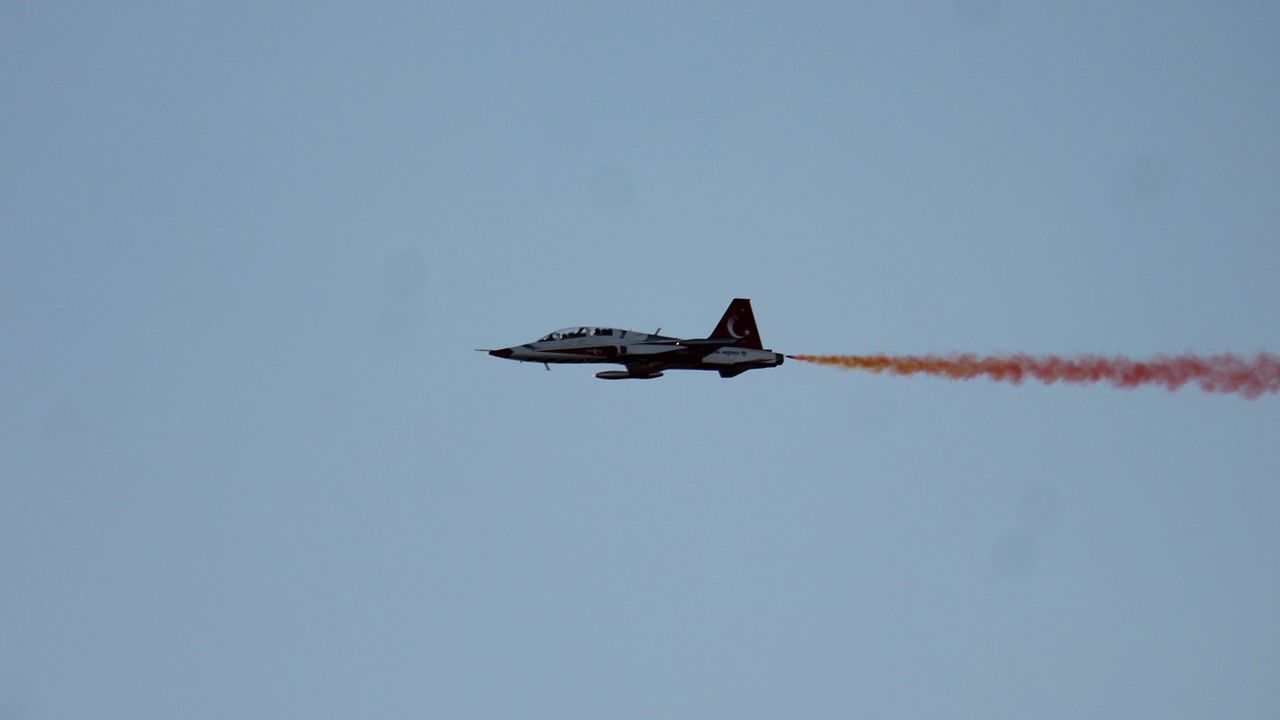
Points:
[[1213, 373]]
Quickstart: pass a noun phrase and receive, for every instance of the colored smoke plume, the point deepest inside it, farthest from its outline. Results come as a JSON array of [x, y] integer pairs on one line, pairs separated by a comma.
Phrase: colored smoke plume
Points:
[[1213, 373]]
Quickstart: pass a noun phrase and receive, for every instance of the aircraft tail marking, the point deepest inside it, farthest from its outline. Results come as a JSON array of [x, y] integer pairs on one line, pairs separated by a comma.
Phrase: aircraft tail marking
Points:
[[739, 323]]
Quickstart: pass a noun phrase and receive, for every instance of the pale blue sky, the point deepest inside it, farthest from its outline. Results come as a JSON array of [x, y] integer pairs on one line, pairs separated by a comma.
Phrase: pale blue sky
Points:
[[251, 467]]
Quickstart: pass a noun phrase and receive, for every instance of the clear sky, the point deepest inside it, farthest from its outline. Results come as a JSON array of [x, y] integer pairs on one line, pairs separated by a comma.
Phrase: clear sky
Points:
[[251, 467]]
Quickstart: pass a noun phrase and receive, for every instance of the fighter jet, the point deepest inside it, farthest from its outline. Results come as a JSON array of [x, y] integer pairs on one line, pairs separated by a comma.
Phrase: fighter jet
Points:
[[732, 348]]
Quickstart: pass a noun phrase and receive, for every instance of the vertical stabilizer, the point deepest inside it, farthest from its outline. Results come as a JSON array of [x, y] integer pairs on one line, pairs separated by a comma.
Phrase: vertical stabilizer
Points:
[[739, 324]]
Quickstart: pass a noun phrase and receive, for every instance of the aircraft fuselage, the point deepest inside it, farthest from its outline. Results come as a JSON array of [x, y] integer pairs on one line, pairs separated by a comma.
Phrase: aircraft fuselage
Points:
[[731, 350]]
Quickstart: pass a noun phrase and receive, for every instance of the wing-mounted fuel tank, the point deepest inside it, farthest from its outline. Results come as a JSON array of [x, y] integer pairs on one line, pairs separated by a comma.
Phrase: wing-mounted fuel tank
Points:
[[624, 375]]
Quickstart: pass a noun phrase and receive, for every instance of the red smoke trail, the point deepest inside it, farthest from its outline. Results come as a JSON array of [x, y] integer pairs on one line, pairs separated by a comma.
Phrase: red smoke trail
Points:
[[1214, 373]]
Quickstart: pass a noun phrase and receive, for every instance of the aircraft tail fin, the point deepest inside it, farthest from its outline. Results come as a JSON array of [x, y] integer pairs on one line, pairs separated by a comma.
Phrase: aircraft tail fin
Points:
[[739, 323]]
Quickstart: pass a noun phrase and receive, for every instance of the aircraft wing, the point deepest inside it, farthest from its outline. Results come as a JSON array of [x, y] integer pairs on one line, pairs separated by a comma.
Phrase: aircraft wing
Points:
[[712, 343], [678, 354], [646, 368]]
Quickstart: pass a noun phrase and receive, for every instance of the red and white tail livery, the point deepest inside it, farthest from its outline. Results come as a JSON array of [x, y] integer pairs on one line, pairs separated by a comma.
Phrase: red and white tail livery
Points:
[[739, 324]]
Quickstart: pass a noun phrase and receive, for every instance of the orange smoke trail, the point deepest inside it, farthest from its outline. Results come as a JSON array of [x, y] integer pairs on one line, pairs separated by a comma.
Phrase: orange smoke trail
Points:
[[1214, 373]]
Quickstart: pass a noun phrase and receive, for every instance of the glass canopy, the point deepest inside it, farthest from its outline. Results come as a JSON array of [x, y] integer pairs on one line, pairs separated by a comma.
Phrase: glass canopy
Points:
[[576, 332]]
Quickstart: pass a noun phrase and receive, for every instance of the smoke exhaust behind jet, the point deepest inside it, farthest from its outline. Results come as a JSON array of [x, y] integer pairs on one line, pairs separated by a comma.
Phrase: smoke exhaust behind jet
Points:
[[1213, 373]]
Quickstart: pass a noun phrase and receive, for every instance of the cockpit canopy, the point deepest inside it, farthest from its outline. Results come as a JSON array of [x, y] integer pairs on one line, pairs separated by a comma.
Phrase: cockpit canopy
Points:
[[576, 332]]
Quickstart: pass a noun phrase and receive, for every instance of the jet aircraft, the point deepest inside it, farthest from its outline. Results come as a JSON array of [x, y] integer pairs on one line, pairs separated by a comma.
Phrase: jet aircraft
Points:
[[733, 348]]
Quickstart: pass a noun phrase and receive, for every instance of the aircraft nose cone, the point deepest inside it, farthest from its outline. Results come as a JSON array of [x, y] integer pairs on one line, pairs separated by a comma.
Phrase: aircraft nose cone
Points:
[[503, 353]]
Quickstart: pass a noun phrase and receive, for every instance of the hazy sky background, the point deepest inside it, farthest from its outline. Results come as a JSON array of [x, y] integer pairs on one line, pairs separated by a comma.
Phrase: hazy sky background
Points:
[[251, 467]]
